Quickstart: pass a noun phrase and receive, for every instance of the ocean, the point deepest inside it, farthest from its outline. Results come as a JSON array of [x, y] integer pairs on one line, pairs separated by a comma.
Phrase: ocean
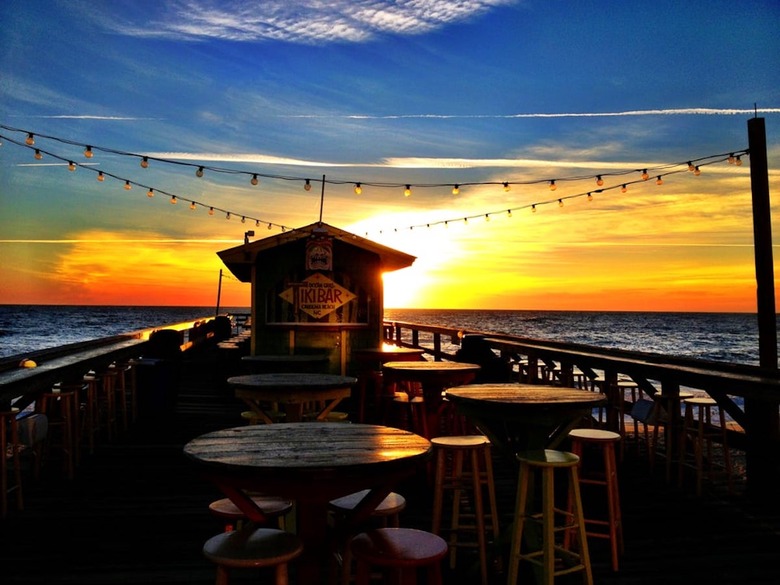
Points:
[[727, 337]]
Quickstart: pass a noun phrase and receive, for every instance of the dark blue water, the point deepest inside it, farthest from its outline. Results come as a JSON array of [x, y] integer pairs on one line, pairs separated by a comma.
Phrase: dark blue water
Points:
[[728, 337]]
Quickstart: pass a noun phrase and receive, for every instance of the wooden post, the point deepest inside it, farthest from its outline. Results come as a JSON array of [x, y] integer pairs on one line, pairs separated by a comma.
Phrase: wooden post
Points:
[[762, 418]]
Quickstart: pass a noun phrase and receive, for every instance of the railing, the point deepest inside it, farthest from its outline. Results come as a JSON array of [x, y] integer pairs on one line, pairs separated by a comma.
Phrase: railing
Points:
[[750, 395], [21, 385]]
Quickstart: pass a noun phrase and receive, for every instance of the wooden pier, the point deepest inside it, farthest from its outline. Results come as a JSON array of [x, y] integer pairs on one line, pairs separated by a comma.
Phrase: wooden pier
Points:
[[136, 513]]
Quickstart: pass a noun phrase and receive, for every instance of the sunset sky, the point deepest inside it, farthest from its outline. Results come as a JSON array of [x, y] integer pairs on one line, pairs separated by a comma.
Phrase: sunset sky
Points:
[[426, 93]]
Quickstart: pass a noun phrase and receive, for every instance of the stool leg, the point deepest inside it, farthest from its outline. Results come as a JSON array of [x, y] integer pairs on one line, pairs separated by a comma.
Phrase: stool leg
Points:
[[438, 491], [548, 527], [579, 519], [480, 514], [457, 474], [521, 503], [613, 505]]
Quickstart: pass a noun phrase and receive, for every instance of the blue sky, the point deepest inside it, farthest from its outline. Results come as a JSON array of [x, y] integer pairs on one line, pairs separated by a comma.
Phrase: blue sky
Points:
[[419, 92]]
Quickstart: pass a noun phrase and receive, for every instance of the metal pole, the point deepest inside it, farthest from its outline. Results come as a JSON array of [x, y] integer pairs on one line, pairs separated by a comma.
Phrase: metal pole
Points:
[[761, 415], [219, 291]]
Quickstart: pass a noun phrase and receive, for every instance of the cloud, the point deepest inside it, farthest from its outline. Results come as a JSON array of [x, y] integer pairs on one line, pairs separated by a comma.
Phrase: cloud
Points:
[[304, 21]]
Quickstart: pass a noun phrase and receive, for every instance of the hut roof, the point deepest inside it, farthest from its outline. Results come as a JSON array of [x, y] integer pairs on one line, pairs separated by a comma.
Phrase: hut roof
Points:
[[240, 259]]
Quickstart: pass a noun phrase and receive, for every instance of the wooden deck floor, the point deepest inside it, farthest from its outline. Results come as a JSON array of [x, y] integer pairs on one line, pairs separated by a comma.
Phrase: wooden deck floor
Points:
[[136, 514]]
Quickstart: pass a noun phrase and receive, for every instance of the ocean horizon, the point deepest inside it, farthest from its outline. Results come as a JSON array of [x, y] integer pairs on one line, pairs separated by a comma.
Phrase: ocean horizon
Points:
[[728, 337]]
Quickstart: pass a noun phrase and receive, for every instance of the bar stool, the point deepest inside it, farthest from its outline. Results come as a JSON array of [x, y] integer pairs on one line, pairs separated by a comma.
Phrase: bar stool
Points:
[[666, 416], [699, 433], [253, 548], [9, 456], [398, 551], [107, 401], [233, 517], [549, 549], [61, 409], [605, 475], [386, 514], [90, 414], [474, 451], [410, 413], [122, 391]]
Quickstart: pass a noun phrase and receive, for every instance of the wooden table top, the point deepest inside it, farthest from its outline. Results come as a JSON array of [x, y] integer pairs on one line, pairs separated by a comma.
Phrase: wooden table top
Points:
[[290, 380], [294, 453], [524, 395], [286, 358], [426, 366], [387, 352]]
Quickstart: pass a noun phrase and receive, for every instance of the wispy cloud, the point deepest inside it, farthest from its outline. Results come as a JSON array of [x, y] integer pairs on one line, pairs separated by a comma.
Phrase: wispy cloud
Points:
[[87, 117], [628, 113], [303, 21]]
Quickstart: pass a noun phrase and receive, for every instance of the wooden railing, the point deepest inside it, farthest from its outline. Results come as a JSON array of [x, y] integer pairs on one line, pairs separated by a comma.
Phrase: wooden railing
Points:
[[750, 395]]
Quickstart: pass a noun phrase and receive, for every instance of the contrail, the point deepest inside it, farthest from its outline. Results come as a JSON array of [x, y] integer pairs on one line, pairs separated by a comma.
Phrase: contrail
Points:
[[627, 113]]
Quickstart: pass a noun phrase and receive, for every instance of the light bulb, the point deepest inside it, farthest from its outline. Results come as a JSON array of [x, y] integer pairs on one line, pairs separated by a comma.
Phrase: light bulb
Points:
[[590, 197], [738, 162], [659, 180], [560, 202], [173, 200], [257, 223], [507, 188], [128, 186], [30, 140], [101, 177], [509, 213], [697, 171], [88, 152], [533, 208], [599, 180], [690, 166], [199, 172], [38, 155], [455, 189], [269, 226], [731, 159], [144, 163], [243, 219], [553, 187], [150, 193], [645, 176], [211, 211], [407, 191], [487, 217], [71, 166], [227, 215], [192, 205], [307, 185], [254, 180], [358, 189], [623, 189]]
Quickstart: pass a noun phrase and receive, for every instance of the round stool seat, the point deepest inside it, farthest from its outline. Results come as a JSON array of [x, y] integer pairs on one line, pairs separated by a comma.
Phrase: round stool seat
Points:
[[596, 435], [701, 401], [270, 506], [390, 506], [548, 458], [398, 547], [460, 441], [252, 548]]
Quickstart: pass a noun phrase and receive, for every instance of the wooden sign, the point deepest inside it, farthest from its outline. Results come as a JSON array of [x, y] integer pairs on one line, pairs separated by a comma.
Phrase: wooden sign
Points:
[[317, 295]]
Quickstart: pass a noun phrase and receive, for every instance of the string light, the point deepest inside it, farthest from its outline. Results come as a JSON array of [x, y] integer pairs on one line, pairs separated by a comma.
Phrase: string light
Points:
[[623, 188], [100, 176], [455, 189], [697, 171], [192, 205], [88, 152], [507, 188], [173, 200], [599, 180], [227, 215], [30, 140], [150, 193], [533, 208], [590, 197], [407, 190], [645, 175], [71, 166], [731, 158], [307, 185], [199, 172], [738, 161], [690, 166], [659, 180], [211, 211], [509, 213], [243, 219], [38, 155], [552, 185], [560, 202], [358, 189], [145, 162], [254, 180], [128, 186]]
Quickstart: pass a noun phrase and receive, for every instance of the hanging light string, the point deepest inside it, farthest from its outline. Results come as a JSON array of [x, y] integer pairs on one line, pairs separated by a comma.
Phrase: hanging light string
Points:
[[201, 169], [657, 173], [692, 166], [150, 191]]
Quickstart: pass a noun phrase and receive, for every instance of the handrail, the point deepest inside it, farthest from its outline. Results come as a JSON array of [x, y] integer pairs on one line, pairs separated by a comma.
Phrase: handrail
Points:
[[759, 388]]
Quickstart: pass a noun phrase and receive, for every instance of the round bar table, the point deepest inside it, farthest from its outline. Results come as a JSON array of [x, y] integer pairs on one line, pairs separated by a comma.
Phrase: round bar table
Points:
[[311, 463], [292, 391], [434, 377], [369, 362], [520, 417]]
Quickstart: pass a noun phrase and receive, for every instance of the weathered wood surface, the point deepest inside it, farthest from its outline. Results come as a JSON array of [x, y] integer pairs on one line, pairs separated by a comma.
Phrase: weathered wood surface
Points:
[[137, 512]]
